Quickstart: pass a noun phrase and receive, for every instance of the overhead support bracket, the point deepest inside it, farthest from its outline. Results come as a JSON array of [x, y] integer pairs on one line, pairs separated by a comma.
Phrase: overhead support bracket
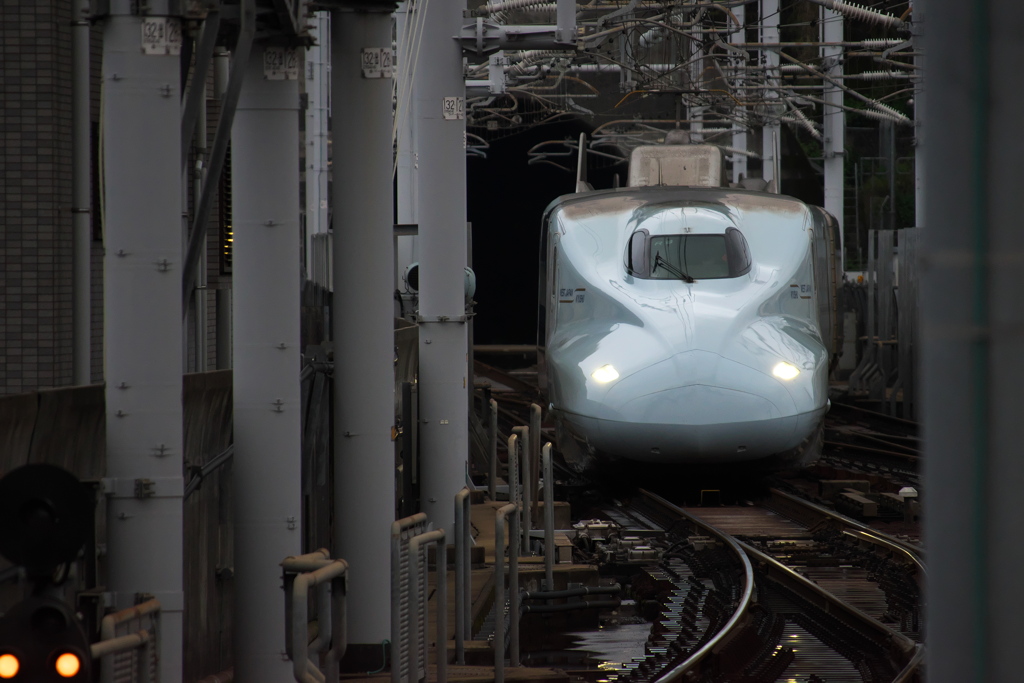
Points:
[[484, 37], [197, 88], [197, 236]]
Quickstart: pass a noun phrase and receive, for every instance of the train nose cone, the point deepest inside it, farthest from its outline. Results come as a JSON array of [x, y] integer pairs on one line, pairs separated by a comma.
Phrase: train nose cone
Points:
[[697, 405]]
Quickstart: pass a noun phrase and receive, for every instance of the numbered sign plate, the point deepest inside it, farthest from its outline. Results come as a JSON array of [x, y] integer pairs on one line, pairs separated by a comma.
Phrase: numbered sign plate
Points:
[[453, 108], [280, 64], [161, 36], [376, 62]]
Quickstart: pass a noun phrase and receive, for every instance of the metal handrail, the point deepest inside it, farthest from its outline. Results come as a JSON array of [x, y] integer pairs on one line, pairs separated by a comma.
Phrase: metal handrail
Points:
[[499, 587], [463, 575], [441, 621], [145, 639], [305, 572], [411, 524]]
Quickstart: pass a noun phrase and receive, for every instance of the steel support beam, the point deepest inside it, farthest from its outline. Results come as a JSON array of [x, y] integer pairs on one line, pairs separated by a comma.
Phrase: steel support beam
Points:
[[363, 325], [834, 119], [200, 219], [771, 142], [142, 324], [444, 348], [195, 95], [267, 360], [739, 128]]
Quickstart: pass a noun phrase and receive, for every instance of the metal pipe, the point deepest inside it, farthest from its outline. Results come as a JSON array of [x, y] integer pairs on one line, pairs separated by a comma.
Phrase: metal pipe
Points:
[[571, 606], [120, 644], [463, 579], [397, 528], [81, 209], [492, 482], [514, 495], [499, 590], [571, 592], [549, 519]]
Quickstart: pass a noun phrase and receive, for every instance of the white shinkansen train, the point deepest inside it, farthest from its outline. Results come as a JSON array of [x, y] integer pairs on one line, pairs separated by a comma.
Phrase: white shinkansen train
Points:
[[687, 322]]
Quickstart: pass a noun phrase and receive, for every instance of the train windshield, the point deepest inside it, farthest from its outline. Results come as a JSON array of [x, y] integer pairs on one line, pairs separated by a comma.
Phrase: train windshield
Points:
[[698, 256]]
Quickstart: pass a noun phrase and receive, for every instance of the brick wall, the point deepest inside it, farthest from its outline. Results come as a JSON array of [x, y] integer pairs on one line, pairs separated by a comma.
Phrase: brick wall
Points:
[[35, 195]]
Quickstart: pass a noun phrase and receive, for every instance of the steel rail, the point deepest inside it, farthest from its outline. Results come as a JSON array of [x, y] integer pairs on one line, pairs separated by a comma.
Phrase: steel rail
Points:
[[678, 672], [776, 571], [822, 512]]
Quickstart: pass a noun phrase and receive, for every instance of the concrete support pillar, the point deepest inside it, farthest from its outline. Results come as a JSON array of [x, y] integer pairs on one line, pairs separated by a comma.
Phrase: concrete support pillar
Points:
[[142, 323], [771, 141], [363, 325], [318, 91], [439, 93], [971, 368], [834, 118], [266, 274]]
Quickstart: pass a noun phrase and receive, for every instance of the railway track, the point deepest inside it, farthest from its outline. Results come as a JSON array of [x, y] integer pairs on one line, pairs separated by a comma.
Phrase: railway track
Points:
[[788, 591]]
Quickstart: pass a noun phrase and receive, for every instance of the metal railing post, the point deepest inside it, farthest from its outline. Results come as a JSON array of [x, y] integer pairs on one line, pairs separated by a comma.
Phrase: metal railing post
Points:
[[524, 483], [492, 481], [549, 519], [499, 590], [441, 634], [535, 437], [462, 575], [513, 593]]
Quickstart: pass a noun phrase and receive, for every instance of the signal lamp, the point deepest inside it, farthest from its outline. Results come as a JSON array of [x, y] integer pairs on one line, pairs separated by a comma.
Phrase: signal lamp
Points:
[[9, 665], [68, 665]]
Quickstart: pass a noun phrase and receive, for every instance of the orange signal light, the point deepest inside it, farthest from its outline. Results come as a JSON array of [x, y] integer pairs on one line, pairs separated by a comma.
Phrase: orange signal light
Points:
[[9, 666], [68, 665]]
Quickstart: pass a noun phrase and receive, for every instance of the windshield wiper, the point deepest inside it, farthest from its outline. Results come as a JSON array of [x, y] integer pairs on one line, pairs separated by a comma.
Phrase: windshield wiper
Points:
[[658, 261]]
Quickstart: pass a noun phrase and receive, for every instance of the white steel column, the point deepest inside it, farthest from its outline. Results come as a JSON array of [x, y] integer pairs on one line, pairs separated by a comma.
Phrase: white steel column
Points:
[[444, 342], [771, 142], [318, 90], [834, 118], [363, 325], [142, 323], [266, 273], [739, 127]]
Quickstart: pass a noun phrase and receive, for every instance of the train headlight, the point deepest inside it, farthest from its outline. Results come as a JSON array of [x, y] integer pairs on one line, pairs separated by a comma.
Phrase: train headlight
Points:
[[605, 374], [786, 371]]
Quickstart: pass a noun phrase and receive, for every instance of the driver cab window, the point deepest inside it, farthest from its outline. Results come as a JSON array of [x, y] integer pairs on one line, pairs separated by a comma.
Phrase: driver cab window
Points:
[[697, 256]]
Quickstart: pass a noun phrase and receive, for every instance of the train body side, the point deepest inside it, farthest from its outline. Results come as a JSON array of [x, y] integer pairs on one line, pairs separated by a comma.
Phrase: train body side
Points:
[[665, 370]]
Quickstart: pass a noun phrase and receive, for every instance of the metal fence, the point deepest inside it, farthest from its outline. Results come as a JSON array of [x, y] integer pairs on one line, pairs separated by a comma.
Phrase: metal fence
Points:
[[886, 371]]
